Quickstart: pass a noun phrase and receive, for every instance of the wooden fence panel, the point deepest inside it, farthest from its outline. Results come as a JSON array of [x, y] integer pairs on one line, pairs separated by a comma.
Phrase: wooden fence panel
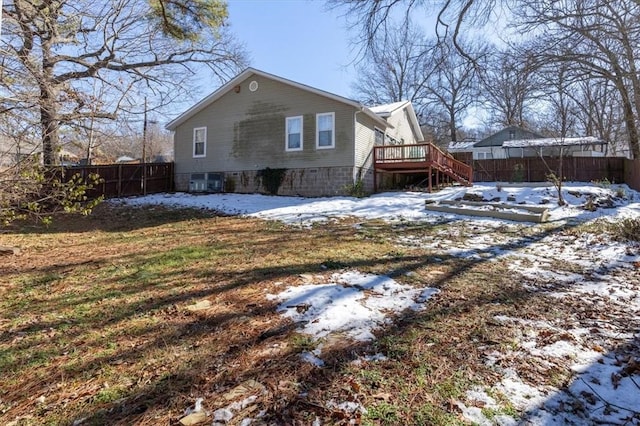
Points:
[[123, 180], [632, 173], [533, 169]]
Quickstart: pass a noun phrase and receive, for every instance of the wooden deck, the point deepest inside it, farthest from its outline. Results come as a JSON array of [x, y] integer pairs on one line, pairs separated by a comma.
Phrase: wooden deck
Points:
[[420, 158]]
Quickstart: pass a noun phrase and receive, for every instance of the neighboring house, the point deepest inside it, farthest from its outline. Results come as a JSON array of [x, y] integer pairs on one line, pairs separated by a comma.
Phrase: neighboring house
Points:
[[571, 147], [491, 146], [258, 122], [11, 153], [67, 158], [516, 142]]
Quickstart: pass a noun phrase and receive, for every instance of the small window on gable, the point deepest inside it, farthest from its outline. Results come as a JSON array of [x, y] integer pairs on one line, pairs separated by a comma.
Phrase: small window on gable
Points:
[[199, 142], [325, 130], [293, 134]]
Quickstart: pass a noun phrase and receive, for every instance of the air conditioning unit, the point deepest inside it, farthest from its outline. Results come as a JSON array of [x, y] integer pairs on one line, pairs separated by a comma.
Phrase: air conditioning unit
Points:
[[206, 182]]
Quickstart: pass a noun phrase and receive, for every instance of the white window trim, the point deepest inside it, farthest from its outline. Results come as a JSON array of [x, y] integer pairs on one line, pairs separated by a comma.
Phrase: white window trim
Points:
[[333, 130], [193, 147], [286, 130]]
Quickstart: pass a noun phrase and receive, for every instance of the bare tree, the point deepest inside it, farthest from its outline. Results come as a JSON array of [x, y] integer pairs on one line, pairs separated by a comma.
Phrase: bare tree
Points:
[[452, 85], [373, 17], [67, 68], [394, 68], [600, 113], [56, 53], [557, 100], [597, 37], [509, 87]]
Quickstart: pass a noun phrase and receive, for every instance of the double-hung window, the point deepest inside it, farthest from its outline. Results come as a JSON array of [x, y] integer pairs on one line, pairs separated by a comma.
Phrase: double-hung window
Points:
[[199, 142], [294, 134], [325, 130]]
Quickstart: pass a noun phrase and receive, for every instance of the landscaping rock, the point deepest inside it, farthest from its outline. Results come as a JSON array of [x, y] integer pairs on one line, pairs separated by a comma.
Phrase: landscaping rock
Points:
[[194, 418], [473, 197]]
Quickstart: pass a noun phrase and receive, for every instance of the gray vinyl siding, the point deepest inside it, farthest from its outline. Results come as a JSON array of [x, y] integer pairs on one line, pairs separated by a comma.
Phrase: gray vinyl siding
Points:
[[246, 130], [365, 138]]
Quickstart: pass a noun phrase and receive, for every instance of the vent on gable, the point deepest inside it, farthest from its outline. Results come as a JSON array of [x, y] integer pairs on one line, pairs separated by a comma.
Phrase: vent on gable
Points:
[[253, 86]]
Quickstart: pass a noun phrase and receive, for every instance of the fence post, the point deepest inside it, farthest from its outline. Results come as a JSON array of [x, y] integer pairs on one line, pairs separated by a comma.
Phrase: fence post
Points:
[[119, 180], [171, 182], [144, 178]]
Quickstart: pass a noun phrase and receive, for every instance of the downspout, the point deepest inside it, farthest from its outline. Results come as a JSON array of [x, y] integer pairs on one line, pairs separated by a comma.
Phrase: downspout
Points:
[[355, 144], [357, 171]]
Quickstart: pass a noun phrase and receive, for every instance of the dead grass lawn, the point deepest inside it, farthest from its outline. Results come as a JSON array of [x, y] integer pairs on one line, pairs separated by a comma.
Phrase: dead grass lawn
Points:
[[94, 325]]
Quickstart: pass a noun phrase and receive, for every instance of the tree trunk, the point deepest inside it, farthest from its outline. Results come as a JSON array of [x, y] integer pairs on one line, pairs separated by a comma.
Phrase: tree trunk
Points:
[[452, 127], [630, 121], [49, 125], [49, 122]]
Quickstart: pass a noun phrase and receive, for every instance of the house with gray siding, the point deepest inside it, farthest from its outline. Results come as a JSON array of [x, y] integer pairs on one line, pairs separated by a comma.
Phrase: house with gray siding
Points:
[[491, 146], [516, 142], [259, 125]]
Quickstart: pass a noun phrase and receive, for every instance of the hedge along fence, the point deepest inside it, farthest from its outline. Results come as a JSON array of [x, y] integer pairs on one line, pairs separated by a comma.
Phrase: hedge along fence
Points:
[[535, 169], [123, 180]]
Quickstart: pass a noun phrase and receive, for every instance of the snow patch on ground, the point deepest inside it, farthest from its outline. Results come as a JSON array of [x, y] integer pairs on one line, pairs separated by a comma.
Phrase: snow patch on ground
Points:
[[351, 302]]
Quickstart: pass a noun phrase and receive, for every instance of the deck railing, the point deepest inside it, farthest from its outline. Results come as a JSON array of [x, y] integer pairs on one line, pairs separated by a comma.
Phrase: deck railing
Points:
[[421, 153], [402, 153]]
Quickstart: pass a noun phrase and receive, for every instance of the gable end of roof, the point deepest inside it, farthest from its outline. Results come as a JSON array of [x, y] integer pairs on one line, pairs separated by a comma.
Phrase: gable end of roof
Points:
[[225, 88]]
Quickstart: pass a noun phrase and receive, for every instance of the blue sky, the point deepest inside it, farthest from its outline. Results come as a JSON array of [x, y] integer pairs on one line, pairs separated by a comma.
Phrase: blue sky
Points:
[[296, 39]]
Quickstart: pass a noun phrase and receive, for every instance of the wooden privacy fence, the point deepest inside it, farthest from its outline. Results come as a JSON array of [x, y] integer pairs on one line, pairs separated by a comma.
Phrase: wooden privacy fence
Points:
[[534, 169], [122, 180], [632, 173]]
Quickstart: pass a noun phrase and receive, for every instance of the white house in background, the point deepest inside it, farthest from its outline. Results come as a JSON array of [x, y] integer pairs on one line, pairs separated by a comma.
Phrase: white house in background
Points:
[[516, 142], [588, 146]]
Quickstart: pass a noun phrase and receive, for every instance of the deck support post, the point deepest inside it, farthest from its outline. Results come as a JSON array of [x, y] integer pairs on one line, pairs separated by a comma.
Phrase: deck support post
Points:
[[375, 180], [415, 157], [375, 170]]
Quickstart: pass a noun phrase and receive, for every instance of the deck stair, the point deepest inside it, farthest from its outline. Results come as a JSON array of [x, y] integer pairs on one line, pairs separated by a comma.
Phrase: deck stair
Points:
[[420, 158]]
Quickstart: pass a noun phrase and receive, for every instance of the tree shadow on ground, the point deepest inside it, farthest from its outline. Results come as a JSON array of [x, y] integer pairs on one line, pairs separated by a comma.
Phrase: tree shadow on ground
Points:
[[257, 328], [109, 217], [288, 366]]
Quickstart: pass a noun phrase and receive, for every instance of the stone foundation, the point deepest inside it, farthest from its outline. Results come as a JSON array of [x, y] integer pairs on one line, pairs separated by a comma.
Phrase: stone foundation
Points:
[[312, 182]]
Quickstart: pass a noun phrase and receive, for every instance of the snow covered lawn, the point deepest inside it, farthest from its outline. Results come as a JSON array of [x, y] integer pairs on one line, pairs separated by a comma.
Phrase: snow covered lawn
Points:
[[402, 205], [577, 364]]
